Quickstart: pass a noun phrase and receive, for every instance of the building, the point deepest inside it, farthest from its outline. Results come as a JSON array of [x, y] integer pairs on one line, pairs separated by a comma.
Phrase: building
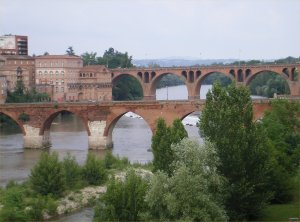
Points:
[[13, 45], [94, 84], [3, 89], [55, 72], [16, 67]]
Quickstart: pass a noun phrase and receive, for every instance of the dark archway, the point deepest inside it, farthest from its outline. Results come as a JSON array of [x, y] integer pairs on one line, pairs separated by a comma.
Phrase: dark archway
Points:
[[169, 86], [127, 87], [131, 137], [267, 83], [206, 81], [11, 135]]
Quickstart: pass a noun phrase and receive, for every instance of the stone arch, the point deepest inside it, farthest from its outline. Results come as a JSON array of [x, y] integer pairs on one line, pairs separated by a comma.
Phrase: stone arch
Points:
[[240, 76], [49, 119], [191, 76], [204, 76], [146, 77], [158, 78], [294, 73], [19, 123], [111, 124], [252, 76]]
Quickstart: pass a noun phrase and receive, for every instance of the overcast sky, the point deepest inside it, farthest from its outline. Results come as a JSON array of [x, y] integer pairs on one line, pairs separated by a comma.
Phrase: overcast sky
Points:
[[245, 29]]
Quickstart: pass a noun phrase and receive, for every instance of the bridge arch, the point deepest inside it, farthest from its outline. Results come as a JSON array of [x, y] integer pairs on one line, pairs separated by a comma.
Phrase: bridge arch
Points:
[[182, 76], [21, 126], [204, 76], [111, 124], [284, 76], [139, 79], [49, 119]]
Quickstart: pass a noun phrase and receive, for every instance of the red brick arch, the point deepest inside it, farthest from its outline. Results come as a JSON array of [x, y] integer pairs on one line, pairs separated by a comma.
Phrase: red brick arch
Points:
[[46, 124], [15, 119]]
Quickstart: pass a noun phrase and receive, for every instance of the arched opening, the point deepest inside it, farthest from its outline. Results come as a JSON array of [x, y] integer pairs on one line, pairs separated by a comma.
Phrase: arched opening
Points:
[[295, 74], [191, 76], [267, 83], [191, 125], [11, 135], [67, 133], [248, 72], [206, 82], [169, 86], [126, 87], [184, 75], [240, 75], [232, 73], [198, 74], [146, 77], [140, 75], [286, 72], [131, 137], [80, 96]]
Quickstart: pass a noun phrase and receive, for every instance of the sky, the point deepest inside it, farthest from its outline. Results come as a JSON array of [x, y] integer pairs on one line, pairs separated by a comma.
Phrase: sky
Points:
[[154, 29]]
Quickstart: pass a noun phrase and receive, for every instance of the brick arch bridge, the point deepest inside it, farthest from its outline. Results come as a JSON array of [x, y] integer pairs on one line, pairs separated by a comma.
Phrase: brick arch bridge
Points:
[[194, 76], [100, 118]]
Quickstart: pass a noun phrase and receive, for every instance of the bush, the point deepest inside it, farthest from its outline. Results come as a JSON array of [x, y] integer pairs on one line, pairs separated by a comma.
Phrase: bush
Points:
[[72, 172], [94, 171], [123, 201], [113, 162], [47, 176]]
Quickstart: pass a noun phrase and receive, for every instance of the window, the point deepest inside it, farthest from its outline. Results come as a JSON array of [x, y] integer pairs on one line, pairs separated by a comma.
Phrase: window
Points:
[[62, 89], [56, 89]]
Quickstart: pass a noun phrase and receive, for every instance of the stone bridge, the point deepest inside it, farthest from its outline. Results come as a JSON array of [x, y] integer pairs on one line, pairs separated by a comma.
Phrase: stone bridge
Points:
[[194, 76], [100, 118]]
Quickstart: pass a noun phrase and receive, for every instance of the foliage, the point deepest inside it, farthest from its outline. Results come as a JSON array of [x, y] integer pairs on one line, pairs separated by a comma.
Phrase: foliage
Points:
[[72, 172], [226, 121], [89, 58], [112, 162], [127, 88], [268, 83], [94, 171], [123, 200], [194, 192], [70, 51], [214, 77], [282, 127], [169, 80], [47, 176], [162, 140], [21, 95], [24, 117]]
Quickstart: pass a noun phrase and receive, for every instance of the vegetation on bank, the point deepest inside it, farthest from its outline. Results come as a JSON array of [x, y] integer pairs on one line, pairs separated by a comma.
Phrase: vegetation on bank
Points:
[[242, 171]]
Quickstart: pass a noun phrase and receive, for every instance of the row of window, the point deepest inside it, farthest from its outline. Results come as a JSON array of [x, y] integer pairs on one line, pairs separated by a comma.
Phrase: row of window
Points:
[[21, 62], [51, 73], [62, 89]]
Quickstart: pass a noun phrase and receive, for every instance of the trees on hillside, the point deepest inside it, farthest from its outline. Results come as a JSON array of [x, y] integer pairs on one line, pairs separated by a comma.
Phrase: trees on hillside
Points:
[[226, 121]]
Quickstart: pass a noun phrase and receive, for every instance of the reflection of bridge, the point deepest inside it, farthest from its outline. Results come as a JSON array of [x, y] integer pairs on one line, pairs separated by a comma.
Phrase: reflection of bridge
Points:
[[100, 118], [194, 76]]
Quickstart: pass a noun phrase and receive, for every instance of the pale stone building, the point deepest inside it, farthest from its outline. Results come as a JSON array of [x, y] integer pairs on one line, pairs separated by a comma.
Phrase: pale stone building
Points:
[[94, 84], [57, 71]]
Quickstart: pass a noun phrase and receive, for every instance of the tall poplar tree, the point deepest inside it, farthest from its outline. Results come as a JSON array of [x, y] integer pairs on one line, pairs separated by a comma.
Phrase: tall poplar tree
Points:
[[227, 122], [162, 140]]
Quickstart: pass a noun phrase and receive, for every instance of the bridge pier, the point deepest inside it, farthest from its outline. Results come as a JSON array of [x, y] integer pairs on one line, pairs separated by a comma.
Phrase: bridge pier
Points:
[[33, 139], [96, 139]]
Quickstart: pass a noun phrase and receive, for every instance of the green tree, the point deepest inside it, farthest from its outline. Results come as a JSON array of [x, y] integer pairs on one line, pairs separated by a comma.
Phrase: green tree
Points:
[[162, 140], [282, 127], [89, 58], [194, 192], [47, 176], [227, 122], [70, 51], [94, 171], [72, 172], [123, 200], [127, 88]]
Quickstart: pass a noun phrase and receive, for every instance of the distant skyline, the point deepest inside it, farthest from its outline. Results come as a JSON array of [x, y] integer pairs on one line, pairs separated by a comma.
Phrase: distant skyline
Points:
[[153, 29]]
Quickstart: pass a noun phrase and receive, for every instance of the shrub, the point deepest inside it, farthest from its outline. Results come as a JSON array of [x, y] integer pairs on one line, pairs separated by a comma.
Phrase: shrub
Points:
[[72, 172], [123, 201], [47, 176], [94, 171], [115, 162]]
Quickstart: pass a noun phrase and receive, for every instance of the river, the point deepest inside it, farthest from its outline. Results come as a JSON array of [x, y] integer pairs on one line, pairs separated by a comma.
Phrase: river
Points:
[[131, 137]]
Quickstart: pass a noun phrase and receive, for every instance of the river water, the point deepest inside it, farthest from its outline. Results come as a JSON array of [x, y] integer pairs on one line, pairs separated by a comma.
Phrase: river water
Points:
[[131, 137]]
